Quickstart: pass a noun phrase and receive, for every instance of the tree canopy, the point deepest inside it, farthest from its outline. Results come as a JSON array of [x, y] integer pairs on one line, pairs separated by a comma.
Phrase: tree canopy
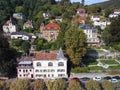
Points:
[[75, 43]]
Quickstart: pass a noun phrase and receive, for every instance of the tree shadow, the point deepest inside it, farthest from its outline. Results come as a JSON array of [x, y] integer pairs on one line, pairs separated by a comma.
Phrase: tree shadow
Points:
[[90, 57], [69, 65]]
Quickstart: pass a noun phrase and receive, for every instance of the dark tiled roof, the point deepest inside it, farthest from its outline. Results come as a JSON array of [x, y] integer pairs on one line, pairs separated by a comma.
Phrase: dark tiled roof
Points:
[[20, 33], [86, 26]]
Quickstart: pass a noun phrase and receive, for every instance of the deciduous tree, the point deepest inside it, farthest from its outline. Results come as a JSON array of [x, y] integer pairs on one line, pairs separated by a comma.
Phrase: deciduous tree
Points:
[[74, 85], [75, 43], [20, 85], [39, 84]]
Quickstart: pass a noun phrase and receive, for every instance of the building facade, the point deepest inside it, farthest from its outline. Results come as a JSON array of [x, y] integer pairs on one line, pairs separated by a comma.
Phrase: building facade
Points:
[[50, 31], [25, 68], [8, 27], [91, 33], [50, 65]]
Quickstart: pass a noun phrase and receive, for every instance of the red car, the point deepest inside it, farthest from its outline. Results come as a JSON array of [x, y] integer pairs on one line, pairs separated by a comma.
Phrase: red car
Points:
[[74, 78]]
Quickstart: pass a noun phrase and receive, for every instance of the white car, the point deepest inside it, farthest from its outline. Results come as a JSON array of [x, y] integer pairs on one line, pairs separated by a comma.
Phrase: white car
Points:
[[97, 78], [113, 80]]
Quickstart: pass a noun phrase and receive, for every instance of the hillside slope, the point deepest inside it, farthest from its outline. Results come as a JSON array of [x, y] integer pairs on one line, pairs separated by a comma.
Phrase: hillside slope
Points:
[[109, 4]]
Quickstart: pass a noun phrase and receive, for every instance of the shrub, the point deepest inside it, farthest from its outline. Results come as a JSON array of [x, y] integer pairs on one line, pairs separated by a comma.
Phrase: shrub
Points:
[[80, 69]]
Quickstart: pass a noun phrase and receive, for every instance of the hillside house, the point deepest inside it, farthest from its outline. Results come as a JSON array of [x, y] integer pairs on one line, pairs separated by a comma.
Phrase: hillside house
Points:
[[9, 27], [91, 33], [28, 24], [25, 68], [81, 12], [115, 14], [50, 31]]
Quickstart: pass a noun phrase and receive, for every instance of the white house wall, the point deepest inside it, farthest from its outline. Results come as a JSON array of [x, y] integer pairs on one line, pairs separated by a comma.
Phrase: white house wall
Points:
[[49, 72]]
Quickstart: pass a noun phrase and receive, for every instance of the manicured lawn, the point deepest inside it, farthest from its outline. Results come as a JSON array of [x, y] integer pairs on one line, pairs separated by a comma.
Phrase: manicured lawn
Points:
[[93, 63], [96, 68], [90, 50], [109, 61], [114, 67]]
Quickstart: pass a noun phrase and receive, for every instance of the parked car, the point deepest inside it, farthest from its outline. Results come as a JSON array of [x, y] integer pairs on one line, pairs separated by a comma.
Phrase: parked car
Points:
[[84, 79], [97, 78], [116, 77], [113, 80], [74, 78], [108, 78]]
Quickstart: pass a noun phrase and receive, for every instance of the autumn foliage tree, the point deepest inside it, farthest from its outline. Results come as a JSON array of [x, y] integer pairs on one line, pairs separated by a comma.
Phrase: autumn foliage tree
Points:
[[39, 84], [108, 85], [75, 43], [74, 85], [20, 84], [92, 85]]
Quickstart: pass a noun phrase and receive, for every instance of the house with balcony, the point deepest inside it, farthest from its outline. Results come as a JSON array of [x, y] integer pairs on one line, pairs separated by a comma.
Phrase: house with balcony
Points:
[[9, 27], [25, 68], [91, 33], [50, 65], [50, 31]]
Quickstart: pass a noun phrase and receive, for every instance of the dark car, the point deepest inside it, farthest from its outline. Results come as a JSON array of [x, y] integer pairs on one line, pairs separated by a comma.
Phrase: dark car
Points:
[[107, 78], [116, 77], [84, 79]]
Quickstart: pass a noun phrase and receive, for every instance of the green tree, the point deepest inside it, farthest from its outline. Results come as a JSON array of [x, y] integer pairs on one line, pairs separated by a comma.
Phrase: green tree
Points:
[[60, 42], [115, 30], [74, 85], [25, 46], [39, 44], [75, 42], [19, 9], [108, 12], [7, 58], [22, 84], [108, 85], [92, 85], [59, 84], [39, 84], [106, 35]]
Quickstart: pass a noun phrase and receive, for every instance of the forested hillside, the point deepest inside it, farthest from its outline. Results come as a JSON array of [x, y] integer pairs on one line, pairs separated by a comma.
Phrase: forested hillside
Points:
[[109, 4], [34, 9]]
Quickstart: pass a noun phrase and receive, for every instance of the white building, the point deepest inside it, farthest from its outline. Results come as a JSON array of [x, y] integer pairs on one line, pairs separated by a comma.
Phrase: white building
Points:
[[20, 35], [50, 65], [18, 15], [95, 18], [25, 68], [102, 24], [8, 27], [91, 33], [115, 14]]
